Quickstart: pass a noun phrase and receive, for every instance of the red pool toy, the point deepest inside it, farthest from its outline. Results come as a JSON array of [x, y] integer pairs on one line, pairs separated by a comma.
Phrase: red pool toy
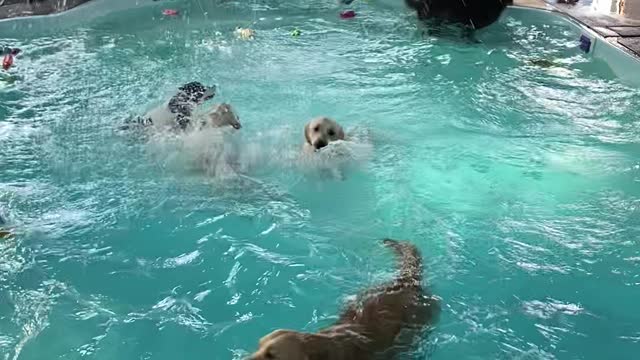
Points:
[[7, 61], [348, 14], [170, 12]]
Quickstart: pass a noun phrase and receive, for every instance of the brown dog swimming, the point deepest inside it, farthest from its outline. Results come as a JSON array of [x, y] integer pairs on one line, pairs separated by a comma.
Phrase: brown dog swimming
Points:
[[382, 321]]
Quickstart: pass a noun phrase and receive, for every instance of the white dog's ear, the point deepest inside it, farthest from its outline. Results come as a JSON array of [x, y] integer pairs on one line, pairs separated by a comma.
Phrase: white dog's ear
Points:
[[340, 133], [306, 134]]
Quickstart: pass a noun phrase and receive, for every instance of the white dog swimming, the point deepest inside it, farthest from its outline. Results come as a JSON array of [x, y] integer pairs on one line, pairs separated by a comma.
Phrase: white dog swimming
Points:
[[210, 151], [222, 115], [182, 138], [209, 145]]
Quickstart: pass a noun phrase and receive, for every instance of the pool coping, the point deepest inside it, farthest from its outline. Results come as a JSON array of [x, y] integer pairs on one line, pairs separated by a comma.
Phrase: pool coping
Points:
[[621, 32], [27, 9]]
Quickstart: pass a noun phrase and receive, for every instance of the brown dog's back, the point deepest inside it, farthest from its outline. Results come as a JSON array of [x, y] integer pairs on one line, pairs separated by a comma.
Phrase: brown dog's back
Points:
[[378, 325], [389, 316]]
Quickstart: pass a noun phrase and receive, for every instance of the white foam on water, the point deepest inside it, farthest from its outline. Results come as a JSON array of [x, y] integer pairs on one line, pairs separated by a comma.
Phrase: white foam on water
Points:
[[224, 154], [211, 151]]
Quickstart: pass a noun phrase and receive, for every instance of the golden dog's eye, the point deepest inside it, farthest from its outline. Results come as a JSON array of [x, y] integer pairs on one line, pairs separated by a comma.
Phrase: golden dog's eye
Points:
[[331, 132], [316, 129], [269, 355]]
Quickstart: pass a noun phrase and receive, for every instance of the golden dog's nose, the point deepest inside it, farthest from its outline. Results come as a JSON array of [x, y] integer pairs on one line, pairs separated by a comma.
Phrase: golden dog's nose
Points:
[[319, 144]]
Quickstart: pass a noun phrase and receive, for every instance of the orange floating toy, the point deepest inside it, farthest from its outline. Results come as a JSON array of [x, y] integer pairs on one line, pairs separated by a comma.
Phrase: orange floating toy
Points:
[[7, 61]]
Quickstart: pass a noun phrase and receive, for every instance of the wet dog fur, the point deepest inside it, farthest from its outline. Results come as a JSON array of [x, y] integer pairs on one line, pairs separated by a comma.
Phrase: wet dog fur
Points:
[[381, 322]]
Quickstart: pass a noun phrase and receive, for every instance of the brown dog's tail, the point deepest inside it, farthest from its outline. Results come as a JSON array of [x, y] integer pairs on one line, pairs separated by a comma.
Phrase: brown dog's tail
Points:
[[409, 260]]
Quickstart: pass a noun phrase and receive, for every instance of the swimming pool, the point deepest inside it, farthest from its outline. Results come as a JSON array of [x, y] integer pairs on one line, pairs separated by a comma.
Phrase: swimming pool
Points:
[[519, 184]]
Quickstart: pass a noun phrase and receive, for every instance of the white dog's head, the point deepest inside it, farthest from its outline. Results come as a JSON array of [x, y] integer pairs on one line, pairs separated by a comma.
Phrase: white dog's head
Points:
[[320, 131], [223, 115]]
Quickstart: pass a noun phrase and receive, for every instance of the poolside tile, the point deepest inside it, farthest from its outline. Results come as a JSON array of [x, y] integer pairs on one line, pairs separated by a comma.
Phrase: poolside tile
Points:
[[632, 43], [626, 31], [606, 32]]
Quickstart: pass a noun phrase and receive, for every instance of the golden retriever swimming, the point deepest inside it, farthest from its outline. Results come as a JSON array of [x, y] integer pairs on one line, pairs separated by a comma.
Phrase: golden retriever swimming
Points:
[[320, 131], [377, 325]]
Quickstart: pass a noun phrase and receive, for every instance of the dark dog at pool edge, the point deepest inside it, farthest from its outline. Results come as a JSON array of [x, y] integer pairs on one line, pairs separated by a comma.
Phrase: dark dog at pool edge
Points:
[[380, 322], [472, 14]]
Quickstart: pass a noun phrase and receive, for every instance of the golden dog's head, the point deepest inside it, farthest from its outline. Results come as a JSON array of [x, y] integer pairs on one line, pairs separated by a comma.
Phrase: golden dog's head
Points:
[[320, 131], [291, 345]]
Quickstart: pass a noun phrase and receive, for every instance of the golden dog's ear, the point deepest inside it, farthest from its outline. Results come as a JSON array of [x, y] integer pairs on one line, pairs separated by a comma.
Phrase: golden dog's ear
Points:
[[272, 335], [306, 134], [340, 133], [313, 346]]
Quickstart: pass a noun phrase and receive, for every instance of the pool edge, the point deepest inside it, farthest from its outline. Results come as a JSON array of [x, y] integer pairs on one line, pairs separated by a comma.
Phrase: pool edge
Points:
[[620, 59]]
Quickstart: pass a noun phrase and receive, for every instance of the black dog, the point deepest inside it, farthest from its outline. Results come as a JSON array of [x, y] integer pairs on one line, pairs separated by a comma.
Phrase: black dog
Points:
[[472, 14], [186, 100], [9, 51], [179, 108]]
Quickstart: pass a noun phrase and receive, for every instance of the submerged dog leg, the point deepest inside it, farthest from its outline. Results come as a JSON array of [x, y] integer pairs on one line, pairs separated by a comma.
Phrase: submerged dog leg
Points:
[[337, 174]]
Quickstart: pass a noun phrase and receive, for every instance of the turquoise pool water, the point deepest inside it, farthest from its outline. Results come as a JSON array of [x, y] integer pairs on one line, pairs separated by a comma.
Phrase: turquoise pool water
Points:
[[519, 184]]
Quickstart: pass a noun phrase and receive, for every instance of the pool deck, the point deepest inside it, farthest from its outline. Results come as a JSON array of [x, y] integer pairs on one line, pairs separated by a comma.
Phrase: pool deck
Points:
[[18, 8], [616, 29]]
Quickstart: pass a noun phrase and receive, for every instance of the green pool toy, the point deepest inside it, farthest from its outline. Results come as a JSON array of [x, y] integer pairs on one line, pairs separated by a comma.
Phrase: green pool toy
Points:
[[296, 32]]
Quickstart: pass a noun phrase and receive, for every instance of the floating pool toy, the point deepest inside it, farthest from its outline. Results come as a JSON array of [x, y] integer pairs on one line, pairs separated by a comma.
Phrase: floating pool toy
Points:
[[348, 14], [9, 54], [170, 12], [296, 32], [7, 61], [245, 34]]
